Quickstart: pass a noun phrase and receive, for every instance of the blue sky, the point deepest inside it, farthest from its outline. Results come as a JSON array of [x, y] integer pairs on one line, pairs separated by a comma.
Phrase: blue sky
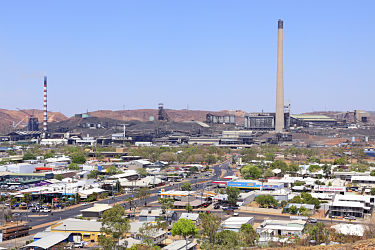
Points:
[[210, 55]]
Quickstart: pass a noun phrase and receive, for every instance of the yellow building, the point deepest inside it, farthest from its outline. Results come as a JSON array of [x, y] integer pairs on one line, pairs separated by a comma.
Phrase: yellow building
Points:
[[84, 230]]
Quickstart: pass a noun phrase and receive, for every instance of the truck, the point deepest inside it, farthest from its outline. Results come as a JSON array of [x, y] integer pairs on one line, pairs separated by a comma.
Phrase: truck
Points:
[[14, 231]]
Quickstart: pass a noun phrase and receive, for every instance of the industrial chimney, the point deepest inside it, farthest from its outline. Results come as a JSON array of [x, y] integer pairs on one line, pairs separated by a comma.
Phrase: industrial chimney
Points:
[[45, 108], [279, 124]]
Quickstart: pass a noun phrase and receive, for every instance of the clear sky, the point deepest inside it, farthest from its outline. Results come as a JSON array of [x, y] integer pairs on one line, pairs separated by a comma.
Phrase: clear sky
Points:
[[210, 55]]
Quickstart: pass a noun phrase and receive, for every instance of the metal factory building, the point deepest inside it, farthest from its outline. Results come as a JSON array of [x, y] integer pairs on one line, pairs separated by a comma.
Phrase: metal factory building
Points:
[[264, 121], [312, 121]]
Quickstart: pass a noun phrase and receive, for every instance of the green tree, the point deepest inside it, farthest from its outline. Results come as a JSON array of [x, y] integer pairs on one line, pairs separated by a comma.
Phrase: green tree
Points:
[[233, 194], [186, 186], [327, 170], [372, 173], [184, 228], [166, 203], [314, 168], [268, 173], [114, 226], [293, 168], [112, 170], [142, 172], [304, 211], [59, 177], [266, 200], [318, 232], [280, 165], [169, 157], [29, 156], [210, 159], [227, 238], [270, 156], [78, 158], [248, 154], [49, 154], [248, 235], [93, 174], [210, 224], [372, 191], [189, 208], [293, 209], [193, 169], [251, 172], [340, 161], [73, 166]]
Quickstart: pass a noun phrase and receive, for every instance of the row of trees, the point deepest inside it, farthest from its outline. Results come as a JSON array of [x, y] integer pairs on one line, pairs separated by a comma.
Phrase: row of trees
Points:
[[192, 154]]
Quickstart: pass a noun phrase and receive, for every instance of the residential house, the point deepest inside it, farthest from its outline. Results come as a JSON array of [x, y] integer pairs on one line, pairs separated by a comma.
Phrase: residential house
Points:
[[191, 216], [274, 230], [235, 223], [157, 236]]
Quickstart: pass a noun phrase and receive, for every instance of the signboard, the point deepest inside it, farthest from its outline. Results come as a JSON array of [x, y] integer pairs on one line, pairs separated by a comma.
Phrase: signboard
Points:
[[55, 199], [244, 184], [299, 218], [329, 189]]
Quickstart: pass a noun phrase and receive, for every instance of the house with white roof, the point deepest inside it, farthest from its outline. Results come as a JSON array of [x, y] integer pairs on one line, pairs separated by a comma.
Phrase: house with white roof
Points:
[[235, 223], [191, 216], [274, 230]]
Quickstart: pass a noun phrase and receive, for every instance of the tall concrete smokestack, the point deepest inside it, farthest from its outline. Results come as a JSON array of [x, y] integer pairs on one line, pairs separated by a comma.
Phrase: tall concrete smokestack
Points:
[[279, 125], [45, 108]]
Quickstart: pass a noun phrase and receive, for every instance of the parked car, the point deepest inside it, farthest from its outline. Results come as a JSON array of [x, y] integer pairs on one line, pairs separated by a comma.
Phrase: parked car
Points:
[[46, 210], [216, 206], [33, 210], [313, 220], [350, 217], [236, 214], [78, 244]]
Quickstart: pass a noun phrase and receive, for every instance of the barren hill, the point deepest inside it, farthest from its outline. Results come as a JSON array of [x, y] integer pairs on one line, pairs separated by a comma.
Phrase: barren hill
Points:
[[7, 117]]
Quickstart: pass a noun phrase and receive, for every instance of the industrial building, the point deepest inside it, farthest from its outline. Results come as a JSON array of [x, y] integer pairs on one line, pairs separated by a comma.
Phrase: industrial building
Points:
[[264, 121], [220, 119], [312, 121]]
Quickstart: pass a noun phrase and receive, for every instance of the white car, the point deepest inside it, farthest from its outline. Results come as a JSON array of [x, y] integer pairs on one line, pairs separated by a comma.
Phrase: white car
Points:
[[78, 244], [236, 214], [46, 210]]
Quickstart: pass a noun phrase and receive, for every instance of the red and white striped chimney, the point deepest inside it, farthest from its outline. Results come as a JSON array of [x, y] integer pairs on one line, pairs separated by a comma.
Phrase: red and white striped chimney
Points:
[[45, 108]]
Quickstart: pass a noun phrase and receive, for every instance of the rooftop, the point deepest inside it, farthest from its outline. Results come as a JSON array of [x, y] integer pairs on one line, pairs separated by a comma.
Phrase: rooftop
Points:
[[77, 225]]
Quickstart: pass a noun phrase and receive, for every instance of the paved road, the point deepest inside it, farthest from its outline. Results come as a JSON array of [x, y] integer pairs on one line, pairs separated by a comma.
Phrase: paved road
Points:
[[64, 214]]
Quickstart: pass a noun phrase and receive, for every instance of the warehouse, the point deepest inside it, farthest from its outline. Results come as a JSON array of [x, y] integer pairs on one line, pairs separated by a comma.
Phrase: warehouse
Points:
[[312, 121]]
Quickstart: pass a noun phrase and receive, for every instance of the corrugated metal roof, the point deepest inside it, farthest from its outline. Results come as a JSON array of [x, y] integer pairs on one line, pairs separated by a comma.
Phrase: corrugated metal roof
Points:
[[78, 225], [49, 240], [313, 117]]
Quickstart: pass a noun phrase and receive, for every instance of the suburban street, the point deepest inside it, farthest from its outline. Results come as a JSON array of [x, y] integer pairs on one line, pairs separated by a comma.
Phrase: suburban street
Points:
[[37, 222]]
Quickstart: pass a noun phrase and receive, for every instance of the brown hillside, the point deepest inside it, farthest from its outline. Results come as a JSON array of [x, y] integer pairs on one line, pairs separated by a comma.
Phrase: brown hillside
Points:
[[7, 117]]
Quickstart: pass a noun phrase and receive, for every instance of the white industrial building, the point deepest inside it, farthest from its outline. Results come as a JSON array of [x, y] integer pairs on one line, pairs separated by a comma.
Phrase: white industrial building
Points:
[[20, 168]]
